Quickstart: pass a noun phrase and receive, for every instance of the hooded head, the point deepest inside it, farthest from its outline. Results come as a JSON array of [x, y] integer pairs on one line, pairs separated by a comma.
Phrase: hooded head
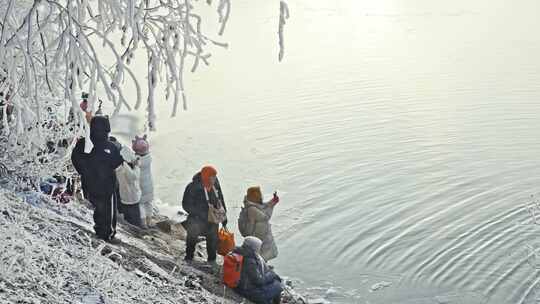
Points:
[[99, 129], [208, 173], [254, 195], [253, 244], [140, 145], [115, 142]]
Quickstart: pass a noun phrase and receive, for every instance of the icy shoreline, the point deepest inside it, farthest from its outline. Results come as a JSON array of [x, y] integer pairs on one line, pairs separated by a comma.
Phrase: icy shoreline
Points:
[[49, 255]]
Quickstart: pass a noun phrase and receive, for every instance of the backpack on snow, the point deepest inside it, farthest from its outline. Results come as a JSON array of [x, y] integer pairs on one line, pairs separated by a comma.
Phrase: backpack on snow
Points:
[[243, 222], [232, 269]]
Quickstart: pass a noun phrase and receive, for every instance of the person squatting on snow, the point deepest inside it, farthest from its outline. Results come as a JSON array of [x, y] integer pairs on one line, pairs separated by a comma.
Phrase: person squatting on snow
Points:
[[255, 218], [128, 175], [142, 148], [97, 170], [204, 203], [258, 282]]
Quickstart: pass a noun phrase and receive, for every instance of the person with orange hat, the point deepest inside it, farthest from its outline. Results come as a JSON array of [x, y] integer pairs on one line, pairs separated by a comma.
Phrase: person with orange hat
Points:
[[203, 201]]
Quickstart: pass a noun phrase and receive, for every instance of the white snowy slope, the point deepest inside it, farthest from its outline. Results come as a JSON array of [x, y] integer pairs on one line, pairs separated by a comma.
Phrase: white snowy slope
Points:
[[48, 255]]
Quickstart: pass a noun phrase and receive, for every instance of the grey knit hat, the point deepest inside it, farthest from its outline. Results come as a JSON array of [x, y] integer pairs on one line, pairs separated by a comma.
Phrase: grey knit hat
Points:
[[252, 243]]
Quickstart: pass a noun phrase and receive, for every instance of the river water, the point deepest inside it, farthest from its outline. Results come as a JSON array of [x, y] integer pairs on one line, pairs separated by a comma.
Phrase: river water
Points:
[[402, 136]]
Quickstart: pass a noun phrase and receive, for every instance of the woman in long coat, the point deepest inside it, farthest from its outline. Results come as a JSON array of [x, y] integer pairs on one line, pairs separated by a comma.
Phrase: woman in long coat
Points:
[[258, 224]]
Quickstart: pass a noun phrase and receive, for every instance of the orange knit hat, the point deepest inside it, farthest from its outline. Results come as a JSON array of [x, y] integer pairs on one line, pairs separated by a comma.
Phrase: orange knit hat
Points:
[[206, 173], [254, 195]]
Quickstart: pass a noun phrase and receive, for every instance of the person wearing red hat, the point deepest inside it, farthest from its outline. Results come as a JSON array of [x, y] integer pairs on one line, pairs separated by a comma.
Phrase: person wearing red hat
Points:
[[203, 201]]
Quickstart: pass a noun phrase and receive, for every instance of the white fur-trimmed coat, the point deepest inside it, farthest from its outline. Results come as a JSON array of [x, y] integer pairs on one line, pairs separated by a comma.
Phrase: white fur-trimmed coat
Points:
[[128, 178]]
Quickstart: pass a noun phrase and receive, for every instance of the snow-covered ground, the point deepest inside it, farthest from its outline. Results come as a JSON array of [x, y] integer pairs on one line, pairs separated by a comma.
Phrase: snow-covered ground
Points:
[[48, 255]]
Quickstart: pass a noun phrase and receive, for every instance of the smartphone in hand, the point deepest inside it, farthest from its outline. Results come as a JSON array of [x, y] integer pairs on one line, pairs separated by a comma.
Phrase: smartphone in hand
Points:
[[275, 199]]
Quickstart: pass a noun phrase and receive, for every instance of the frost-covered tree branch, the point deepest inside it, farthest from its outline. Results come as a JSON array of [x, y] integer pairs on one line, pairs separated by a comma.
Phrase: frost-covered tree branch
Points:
[[53, 50], [60, 48], [283, 16]]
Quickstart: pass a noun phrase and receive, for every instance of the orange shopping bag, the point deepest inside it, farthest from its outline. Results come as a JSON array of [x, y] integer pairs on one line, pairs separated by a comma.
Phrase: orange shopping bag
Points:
[[225, 241], [232, 269]]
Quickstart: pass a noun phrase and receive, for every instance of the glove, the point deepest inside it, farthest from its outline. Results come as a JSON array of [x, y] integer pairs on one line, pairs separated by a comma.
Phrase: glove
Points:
[[224, 223], [275, 199]]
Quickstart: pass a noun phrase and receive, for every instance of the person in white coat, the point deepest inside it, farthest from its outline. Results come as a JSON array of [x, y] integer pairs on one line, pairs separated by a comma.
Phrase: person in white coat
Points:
[[128, 176], [142, 149]]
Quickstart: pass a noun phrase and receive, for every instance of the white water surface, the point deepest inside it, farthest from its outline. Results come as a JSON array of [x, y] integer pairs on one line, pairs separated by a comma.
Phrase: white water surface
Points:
[[402, 136]]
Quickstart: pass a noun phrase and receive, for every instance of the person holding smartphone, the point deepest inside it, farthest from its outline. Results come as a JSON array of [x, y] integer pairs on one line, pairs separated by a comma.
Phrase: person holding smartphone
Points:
[[255, 218]]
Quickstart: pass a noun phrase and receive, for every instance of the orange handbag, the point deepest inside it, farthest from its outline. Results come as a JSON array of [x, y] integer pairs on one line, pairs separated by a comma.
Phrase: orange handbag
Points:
[[225, 242]]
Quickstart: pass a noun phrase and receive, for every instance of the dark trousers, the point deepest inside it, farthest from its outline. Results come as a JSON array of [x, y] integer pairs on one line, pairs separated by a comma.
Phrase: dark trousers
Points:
[[132, 213], [104, 216], [196, 228], [267, 294]]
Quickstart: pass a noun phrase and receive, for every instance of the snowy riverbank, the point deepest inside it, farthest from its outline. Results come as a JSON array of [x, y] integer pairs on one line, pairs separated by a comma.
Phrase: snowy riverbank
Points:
[[48, 254]]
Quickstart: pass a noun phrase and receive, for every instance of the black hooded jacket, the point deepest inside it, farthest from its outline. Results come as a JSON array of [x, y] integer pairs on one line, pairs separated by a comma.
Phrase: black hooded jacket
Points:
[[97, 168], [194, 200]]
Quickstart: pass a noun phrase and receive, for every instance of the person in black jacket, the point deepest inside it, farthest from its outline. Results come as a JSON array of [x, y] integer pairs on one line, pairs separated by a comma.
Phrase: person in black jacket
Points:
[[258, 282], [203, 196], [97, 170]]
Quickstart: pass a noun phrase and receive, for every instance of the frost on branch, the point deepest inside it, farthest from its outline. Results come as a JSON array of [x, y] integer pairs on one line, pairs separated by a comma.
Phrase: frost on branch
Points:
[[283, 16], [224, 10], [51, 51]]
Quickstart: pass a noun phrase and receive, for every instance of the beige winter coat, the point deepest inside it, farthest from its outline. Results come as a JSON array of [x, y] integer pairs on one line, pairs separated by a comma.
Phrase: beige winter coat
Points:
[[128, 178], [259, 216]]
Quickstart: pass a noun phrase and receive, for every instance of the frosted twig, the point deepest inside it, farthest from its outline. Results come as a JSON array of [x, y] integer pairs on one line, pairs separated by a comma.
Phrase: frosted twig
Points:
[[283, 16], [50, 53], [224, 10]]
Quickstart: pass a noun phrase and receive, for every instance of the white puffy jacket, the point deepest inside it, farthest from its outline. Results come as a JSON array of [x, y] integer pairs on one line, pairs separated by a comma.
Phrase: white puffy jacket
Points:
[[128, 178], [146, 181]]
